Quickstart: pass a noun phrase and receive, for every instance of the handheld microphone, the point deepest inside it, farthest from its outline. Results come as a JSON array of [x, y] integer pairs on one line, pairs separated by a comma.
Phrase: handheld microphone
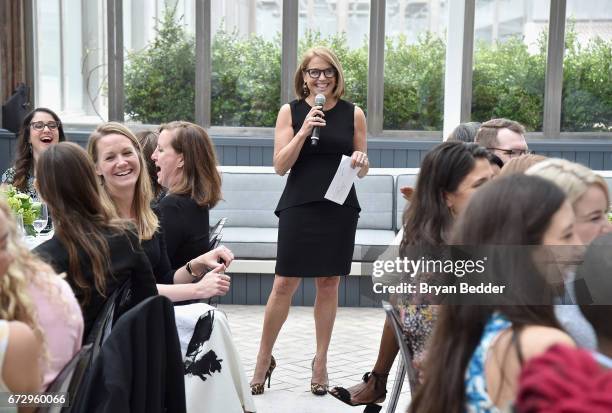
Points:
[[314, 139]]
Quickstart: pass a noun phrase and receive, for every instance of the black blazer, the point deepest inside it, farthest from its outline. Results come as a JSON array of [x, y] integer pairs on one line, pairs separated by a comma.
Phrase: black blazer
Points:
[[140, 366], [127, 260]]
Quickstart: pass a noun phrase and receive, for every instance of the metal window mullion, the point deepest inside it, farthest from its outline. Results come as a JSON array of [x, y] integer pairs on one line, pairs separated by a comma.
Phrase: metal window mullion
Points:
[[458, 70], [30, 30], [376, 66], [553, 84], [468, 60], [62, 55], [203, 78], [289, 49], [115, 60]]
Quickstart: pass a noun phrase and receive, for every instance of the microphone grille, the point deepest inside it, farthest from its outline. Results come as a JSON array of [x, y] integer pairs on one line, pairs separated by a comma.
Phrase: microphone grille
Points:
[[319, 100]]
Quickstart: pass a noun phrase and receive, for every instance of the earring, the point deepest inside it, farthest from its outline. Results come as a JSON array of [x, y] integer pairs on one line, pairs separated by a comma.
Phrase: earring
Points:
[[305, 89]]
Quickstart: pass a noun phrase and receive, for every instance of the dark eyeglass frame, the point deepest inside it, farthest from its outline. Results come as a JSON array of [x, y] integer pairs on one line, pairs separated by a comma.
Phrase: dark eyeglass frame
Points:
[[513, 152], [328, 73], [40, 125]]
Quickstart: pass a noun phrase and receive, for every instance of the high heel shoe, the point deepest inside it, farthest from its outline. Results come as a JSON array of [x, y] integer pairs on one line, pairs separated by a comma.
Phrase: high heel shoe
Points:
[[318, 389], [380, 384], [258, 388]]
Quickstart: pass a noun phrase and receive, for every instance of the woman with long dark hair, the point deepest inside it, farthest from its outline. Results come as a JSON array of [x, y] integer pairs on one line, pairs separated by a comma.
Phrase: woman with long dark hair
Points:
[[97, 253], [450, 173], [41, 128], [476, 352]]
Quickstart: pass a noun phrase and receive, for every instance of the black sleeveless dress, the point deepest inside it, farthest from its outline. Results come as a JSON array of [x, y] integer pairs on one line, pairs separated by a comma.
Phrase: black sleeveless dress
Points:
[[316, 237]]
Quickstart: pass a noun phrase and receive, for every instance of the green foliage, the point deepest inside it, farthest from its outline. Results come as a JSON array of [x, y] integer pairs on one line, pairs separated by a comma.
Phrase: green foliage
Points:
[[508, 80], [21, 204], [587, 85], [245, 80], [160, 79], [414, 83]]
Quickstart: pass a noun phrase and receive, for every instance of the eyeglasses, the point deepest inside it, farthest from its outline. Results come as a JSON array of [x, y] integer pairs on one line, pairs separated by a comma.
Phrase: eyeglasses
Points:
[[316, 73], [40, 125], [513, 153]]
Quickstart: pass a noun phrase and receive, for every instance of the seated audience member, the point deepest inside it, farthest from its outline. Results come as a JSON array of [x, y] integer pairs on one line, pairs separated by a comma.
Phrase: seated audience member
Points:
[[450, 174], [464, 132], [20, 354], [32, 293], [566, 379], [126, 189], [505, 138], [97, 253], [588, 194], [41, 128], [20, 348], [597, 308], [148, 143], [586, 191], [187, 168], [476, 352], [521, 164]]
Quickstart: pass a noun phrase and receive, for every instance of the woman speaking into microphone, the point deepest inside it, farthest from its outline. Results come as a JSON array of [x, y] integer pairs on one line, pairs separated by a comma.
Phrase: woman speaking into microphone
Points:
[[316, 237]]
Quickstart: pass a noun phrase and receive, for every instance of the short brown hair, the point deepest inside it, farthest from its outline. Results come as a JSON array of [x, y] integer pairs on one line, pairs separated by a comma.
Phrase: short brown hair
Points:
[[327, 55], [200, 178], [487, 134], [521, 164]]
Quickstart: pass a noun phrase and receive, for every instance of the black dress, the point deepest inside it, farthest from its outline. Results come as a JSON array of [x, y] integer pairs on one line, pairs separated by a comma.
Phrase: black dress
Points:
[[126, 260], [316, 237], [186, 228]]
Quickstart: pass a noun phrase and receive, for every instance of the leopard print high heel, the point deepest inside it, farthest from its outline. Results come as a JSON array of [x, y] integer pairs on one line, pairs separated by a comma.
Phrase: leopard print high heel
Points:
[[258, 388]]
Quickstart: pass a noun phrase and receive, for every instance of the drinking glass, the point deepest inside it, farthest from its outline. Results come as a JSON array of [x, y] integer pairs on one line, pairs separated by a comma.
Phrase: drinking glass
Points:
[[20, 227], [41, 219]]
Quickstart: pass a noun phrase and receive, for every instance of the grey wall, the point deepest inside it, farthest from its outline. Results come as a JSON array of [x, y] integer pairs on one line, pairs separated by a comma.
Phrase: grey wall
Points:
[[386, 152], [354, 291]]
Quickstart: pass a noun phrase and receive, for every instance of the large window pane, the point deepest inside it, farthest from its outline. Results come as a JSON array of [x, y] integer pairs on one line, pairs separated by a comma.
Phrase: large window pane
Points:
[[343, 26], [159, 77], [510, 61], [246, 62], [414, 64], [70, 55], [587, 70]]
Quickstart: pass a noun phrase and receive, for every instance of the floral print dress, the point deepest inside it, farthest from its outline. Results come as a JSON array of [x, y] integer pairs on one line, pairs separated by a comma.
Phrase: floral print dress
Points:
[[477, 398]]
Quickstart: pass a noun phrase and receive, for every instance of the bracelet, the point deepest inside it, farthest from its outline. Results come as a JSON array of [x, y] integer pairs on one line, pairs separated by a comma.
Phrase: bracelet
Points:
[[190, 271]]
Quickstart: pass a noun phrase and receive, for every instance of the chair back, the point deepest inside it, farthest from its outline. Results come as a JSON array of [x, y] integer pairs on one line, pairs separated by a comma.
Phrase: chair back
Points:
[[216, 234], [107, 317], [69, 380], [402, 341]]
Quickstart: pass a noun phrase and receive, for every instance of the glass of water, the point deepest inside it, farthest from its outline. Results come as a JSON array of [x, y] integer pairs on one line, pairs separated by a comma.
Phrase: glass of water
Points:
[[41, 219], [20, 227]]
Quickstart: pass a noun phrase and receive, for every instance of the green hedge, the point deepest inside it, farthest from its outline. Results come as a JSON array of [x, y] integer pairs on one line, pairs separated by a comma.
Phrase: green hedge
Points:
[[508, 80]]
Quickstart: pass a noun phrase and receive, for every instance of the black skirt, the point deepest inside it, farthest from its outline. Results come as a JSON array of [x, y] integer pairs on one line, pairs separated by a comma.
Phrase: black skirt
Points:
[[316, 240]]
